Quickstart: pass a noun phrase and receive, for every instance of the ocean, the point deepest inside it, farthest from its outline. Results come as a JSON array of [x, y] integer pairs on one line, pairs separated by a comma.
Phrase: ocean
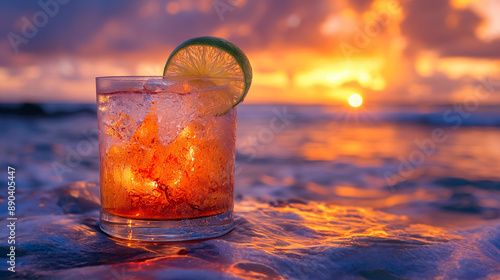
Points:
[[321, 192]]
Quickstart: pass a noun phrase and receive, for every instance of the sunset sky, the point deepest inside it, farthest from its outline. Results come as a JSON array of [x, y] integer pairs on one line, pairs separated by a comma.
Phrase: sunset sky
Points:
[[308, 52]]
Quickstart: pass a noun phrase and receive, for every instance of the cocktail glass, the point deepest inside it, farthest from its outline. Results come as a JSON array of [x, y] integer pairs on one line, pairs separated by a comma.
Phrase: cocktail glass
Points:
[[166, 157]]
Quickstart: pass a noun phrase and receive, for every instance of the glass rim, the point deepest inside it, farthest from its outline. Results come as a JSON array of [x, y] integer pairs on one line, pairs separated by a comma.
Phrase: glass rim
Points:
[[148, 77]]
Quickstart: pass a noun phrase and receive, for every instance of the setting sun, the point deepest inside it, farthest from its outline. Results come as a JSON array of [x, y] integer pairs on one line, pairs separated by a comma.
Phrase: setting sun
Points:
[[355, 100]]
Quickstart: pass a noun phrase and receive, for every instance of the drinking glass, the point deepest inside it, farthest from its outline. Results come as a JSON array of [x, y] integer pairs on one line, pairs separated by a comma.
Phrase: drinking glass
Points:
[[166, 157]]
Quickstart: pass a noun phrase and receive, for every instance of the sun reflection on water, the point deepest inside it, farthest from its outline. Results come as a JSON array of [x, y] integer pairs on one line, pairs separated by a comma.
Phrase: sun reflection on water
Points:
[[299, 226]]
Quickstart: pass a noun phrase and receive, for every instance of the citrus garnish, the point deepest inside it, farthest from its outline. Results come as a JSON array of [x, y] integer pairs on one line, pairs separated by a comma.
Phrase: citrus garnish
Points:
[[226, 68]]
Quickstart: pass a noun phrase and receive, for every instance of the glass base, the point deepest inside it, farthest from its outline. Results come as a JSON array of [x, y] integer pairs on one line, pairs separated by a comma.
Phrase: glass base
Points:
[[168, 230]]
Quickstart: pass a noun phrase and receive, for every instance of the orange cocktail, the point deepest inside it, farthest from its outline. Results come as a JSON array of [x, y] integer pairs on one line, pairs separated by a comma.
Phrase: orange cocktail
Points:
[[166, 154]]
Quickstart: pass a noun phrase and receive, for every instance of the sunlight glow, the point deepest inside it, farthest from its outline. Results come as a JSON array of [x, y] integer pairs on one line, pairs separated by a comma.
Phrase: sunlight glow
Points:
[[461, 4], [355, 100]]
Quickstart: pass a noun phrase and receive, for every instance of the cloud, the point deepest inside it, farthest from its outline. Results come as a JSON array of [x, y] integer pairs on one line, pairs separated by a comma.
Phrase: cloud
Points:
[[431, 24], [70, 26], [292, 44], [79, 23], [360, 5], [95, 27]]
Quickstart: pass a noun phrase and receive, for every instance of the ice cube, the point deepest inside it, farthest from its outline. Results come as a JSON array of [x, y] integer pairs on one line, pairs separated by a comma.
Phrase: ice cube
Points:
[[168, 86], [177, 112], [157, 85], [181, 88], [125, 114]]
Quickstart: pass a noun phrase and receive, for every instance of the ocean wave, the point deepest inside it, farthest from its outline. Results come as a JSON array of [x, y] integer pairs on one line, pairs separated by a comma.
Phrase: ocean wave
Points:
[[434, 115]]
